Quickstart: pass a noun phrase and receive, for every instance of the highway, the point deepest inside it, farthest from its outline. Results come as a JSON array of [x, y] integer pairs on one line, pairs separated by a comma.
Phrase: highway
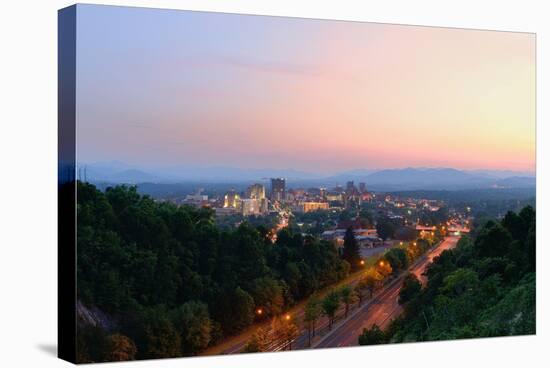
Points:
[[382, 309], [235, 344]]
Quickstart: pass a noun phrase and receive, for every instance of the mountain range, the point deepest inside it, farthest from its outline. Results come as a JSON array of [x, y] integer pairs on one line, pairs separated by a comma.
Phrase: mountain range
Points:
[[388, 179]]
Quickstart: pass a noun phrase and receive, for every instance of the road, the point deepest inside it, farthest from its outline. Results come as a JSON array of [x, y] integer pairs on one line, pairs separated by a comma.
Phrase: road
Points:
[[235, 344], [382, 309]]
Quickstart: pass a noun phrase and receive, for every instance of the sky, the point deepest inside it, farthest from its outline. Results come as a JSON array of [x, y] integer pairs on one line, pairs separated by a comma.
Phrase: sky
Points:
[[164, 87]]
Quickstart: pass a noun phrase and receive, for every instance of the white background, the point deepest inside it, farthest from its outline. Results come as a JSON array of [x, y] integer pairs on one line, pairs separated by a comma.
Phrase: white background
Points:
[[28, 169]]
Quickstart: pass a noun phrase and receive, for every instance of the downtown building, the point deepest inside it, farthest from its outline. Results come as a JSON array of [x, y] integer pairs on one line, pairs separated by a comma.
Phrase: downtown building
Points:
[[310, 206], [278, 189]]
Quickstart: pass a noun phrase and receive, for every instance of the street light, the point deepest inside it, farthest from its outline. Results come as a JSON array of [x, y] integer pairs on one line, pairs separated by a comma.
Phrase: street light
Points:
[[259, 311], [362, 262], [287, 317]]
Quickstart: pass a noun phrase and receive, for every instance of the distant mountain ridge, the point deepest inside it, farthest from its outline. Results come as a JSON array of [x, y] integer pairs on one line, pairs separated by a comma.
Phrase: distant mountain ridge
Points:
[[387, 179]]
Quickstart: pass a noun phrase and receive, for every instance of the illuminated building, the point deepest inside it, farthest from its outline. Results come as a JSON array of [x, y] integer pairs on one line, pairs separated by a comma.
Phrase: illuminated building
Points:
[[197, 200], [231, 199], [278, 189], [310, 206], [250, 206], [331, 197], [256, 191]]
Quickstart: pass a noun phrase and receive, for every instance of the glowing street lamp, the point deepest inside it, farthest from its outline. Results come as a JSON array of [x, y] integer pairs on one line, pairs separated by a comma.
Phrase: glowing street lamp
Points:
[[259, 311], [287, 317], [362, 262]]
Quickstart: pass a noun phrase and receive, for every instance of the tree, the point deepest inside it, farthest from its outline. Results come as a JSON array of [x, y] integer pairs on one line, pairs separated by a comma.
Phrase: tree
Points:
[[360, 290], [410, 289], [234, 309], [385, 228], [178, 279], [348, 297], [493, 240], [397, 259], [330, 305], [459, 282], [289, 331], [531, 247], [193, 323], [268, 294], [372, 336], [366, 218], [121, 348], [483, 287], [161, 339], [384, 268], [312, 312], [372, 280], [351, 249], [259, 341], [406, 233]]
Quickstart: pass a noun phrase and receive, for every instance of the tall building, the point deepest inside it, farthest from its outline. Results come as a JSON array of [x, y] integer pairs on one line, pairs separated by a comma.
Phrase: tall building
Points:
[[251, 206], [231, 199], [350, 187], [256, 191], [278, 189], [362, 187]]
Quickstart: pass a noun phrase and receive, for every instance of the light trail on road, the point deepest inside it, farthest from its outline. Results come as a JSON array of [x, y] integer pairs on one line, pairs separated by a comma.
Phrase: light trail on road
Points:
[[382, 309]]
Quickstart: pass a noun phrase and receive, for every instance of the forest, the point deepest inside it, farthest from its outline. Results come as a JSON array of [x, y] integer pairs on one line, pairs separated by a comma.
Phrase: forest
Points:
[[484, 287], [170, 282]]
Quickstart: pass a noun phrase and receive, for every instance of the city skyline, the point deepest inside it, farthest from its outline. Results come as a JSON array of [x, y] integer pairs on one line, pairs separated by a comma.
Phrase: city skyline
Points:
[[314, 96], [243, 184]]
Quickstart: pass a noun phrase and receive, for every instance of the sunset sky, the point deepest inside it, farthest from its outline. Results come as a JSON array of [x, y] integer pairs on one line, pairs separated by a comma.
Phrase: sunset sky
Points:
[[160, 88]]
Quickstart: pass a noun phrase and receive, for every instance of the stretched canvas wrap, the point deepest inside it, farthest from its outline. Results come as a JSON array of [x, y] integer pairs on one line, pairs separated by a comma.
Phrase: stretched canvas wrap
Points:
[[239, 183]]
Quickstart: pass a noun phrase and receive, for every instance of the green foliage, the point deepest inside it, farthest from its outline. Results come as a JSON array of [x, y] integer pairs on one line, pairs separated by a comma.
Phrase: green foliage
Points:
[[268, 294], [234, 309], [397, 259], [348, 296], [372, 336], [483, 287], [176, 281], [157, 336], [193, 323], [371, 280], [494, 240], [259, 341], [330, 305], [515, 313], [410, 289], [351, 249], [312, 312], [385, 228]]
